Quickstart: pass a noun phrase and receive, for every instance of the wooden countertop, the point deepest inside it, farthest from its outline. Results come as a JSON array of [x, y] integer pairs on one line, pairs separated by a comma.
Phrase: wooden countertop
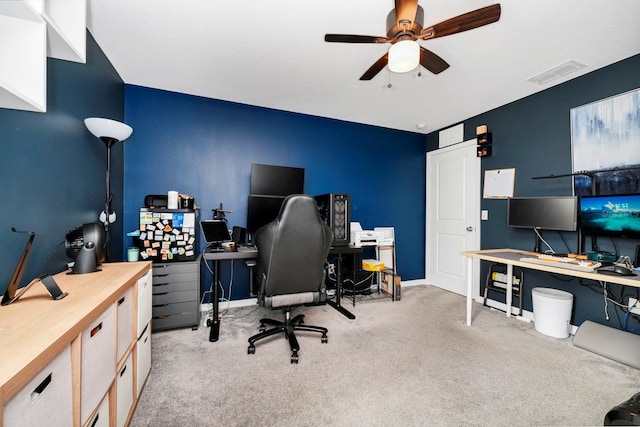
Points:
[[35, 328]]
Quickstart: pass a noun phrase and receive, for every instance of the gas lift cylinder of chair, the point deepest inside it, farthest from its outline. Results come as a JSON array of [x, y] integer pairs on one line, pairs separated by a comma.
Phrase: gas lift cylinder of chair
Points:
[[497, 281]]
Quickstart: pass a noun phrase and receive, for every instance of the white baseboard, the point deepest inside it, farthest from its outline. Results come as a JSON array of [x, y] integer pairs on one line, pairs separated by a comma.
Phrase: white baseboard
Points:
[[253, 301]]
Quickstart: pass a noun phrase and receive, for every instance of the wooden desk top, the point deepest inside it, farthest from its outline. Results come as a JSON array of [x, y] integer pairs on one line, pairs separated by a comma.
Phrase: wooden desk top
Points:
[[512, 256], [35, 328]]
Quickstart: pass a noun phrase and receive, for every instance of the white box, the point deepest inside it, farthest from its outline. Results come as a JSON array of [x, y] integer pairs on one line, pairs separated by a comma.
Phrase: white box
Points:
[[125, 323], [46, 399], [124, 392], [98, 362], [143, 357]]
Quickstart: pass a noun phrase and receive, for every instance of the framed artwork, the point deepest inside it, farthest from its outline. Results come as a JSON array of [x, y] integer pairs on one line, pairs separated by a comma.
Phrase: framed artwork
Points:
[[605, 145]]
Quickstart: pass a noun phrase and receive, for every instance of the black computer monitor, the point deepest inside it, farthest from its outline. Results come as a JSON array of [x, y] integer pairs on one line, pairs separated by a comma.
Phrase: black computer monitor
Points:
[[270, 180], [543, 213], [261, 211]]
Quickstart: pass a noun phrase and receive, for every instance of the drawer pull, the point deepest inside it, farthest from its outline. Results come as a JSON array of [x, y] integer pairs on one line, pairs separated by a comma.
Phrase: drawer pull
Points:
[[120, 301], [123, 370], [95, 420], [95, 330], [38, 390]]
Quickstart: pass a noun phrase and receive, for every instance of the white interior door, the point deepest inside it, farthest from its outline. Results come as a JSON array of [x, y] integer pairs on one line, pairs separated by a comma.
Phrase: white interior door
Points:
[[453, 216]]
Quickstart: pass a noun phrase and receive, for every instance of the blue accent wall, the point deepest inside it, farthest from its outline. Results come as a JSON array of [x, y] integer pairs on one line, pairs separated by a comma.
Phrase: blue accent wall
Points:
[[52, 170], [205, 148], [533, 135]]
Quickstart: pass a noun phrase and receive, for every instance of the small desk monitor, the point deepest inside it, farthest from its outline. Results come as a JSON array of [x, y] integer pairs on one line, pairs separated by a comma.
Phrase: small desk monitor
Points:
[[215, 232]]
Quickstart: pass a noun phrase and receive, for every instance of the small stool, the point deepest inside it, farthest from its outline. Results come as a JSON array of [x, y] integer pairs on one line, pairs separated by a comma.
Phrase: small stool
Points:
[[497, 281]]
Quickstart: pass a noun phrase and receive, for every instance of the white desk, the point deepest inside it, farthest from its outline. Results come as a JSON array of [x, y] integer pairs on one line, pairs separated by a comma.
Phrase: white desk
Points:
[[511, 257]]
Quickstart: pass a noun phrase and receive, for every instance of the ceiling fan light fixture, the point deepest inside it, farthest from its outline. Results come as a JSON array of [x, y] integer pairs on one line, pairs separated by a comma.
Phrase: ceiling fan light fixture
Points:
[[404, 56]]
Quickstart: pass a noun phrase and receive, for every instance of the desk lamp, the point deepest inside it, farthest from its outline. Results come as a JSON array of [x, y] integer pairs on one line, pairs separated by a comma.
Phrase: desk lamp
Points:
[[110, 132]]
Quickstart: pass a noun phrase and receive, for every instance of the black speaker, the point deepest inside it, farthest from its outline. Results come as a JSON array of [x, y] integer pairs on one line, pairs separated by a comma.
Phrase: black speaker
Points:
[[238, 235], [335, 211]]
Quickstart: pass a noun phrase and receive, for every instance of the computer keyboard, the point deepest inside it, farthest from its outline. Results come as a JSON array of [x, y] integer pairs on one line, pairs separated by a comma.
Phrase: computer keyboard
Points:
[[563, 262]]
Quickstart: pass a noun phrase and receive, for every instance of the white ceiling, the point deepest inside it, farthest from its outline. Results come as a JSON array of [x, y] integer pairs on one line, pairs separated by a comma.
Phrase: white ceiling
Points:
[[273, 54]]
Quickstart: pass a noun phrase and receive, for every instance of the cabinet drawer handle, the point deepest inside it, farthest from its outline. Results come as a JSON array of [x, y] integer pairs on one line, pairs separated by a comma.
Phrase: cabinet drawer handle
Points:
[[123, 370], [95, 330], [120, 301], [38, 390]]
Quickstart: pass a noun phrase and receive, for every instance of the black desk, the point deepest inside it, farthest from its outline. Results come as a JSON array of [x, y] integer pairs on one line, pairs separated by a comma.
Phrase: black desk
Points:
[[339, 251], [217, 256]]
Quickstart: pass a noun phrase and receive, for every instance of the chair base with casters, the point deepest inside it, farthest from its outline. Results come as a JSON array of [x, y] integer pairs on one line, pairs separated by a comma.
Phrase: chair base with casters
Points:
[[287, 328]]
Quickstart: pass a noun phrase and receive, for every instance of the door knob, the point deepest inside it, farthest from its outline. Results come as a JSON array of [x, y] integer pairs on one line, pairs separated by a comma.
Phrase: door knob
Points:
[[469, 228]]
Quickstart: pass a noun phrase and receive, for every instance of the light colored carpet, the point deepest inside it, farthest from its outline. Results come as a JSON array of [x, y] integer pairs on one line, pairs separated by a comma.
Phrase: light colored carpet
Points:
[[412, 362]]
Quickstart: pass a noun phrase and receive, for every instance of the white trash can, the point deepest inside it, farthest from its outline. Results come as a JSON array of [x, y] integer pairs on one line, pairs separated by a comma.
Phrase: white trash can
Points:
[[552, 311]]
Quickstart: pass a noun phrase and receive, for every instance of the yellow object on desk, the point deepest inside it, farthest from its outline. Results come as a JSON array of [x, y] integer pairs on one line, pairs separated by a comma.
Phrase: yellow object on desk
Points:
[[372, 265]]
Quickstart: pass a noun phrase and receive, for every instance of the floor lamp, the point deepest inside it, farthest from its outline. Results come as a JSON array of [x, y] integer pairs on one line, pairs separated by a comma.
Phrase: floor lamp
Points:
[[110, 132]]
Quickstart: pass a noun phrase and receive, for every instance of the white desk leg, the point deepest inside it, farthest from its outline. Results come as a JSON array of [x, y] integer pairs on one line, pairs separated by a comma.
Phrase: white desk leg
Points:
[[469, 288], [509, 288]]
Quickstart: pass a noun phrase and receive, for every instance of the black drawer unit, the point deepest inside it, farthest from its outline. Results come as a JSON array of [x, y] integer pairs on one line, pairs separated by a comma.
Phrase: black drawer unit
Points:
[[176, 295]]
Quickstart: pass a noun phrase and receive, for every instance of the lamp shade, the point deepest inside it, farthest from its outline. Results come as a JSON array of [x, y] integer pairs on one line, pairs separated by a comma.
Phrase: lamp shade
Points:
[[404, 56], [108, 128]]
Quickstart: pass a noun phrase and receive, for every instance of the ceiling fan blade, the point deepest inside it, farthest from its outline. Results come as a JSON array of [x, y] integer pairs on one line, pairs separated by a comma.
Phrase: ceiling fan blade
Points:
[[350, 38], [468, 21], [406, 12], [376, 68], [432, 62]]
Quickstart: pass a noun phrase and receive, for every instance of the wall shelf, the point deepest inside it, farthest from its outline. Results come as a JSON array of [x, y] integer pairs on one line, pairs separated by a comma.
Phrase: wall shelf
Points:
[[37, 29]]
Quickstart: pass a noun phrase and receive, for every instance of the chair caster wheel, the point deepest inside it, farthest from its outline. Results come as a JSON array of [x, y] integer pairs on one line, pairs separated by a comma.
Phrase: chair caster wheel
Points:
[[208, 322], [294, 358], [251, 349], [324, 339]]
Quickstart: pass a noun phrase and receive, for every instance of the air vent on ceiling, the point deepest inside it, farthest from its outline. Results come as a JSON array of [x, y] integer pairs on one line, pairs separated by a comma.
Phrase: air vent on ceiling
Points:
[[556, 72]]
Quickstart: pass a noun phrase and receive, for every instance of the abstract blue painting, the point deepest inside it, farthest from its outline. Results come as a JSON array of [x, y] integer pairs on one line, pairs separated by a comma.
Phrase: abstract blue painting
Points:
[[605, 145]]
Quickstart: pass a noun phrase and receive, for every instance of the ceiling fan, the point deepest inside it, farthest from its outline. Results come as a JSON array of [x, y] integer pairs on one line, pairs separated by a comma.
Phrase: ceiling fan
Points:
[[405, 23]]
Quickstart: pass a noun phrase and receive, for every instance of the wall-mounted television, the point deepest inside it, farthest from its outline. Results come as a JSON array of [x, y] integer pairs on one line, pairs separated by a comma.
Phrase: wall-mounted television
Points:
[[614, 215], [270, 180], [543, 213]]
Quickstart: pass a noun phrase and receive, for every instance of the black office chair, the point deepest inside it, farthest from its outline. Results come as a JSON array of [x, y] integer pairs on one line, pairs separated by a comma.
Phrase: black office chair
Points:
[[292, 251]]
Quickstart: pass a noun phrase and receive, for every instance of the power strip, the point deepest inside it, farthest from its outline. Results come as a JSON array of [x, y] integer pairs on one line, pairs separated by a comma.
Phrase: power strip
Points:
[[634, 305]]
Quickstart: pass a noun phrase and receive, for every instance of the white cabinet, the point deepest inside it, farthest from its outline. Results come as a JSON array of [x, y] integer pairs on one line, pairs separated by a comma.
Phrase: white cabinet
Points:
[[31, 31], [23, 76], [89, 366]]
